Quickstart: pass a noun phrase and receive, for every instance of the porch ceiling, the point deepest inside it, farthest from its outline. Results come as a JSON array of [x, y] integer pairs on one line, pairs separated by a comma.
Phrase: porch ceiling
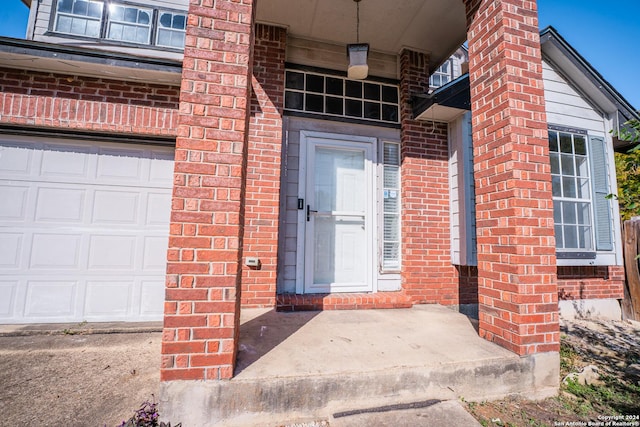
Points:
[[437, 27]]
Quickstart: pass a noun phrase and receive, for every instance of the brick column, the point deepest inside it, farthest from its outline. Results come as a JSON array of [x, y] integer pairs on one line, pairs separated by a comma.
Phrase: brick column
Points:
[[516, 247], [427, 273], [202, 305], [263, 167]]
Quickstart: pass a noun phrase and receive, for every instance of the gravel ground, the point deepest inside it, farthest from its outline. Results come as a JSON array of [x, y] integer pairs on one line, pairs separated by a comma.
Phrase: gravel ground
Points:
[[77, 380]]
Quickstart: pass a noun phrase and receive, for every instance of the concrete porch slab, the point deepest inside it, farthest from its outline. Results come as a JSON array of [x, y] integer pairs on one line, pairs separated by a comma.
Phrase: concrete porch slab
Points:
[[311, 365]]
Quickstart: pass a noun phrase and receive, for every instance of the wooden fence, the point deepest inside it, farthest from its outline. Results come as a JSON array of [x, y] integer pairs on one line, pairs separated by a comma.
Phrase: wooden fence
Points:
[[631, 243]]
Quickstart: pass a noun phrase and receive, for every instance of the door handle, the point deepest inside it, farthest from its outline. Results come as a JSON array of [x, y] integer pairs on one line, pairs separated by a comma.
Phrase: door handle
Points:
[[309, 210]]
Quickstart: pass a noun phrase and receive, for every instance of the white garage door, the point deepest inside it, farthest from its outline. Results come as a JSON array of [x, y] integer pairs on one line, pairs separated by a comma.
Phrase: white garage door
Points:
[[83, 230]]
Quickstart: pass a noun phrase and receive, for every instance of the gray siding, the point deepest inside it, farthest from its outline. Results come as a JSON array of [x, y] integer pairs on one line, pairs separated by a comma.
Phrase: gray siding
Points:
[[566, 107], [462, 192]]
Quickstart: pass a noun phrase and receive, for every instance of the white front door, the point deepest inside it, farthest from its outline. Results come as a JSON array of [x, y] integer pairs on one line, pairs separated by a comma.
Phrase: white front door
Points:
[[337, 214]]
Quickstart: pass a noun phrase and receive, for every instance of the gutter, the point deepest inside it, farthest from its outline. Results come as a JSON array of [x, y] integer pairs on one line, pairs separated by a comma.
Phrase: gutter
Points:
[[80, 54]]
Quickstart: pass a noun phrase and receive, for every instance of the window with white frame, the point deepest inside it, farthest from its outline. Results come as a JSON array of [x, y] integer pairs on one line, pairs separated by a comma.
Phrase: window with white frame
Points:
[[129, 23], [81, 17], [171, 29], [391, 206], [580, 184], [443, 75], [584, 217], [571, 191], [120, 22]]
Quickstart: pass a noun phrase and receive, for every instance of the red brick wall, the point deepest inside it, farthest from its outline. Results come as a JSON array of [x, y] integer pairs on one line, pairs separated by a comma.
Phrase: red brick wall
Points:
[[517, 288], [201, 323], [468, 284], [68, 102], [263, 167], [597, 282], [427, 273], [574, 283]]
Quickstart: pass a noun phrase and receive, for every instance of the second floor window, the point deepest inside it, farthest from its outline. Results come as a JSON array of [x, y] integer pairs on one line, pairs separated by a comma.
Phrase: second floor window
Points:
[[121, 22], [171, 29], [82, 17], [129, 24], [442, 75]]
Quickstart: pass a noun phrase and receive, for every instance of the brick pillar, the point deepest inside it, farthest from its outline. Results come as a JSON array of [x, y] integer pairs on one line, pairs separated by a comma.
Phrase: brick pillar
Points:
[[263, 167], [202, 305], [427, 273], [518, 298]]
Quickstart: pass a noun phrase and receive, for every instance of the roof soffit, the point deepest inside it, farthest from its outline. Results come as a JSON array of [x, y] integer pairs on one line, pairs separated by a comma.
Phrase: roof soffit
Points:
[[437, 27]]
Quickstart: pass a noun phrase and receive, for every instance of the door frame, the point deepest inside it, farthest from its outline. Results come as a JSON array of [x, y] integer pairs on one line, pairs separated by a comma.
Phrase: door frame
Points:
[[370, 221]]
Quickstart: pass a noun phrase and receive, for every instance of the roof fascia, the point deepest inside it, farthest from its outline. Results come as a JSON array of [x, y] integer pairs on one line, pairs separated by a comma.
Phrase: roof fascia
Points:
[[88, 61], [571, 63]]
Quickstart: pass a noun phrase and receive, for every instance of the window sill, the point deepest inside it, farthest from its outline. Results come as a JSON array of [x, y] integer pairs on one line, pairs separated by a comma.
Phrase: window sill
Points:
[[600, 258]]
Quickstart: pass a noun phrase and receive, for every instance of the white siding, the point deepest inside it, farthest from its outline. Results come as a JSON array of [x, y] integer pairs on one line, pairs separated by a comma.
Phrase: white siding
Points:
[[462, 193], [566, 107], [459, 58]]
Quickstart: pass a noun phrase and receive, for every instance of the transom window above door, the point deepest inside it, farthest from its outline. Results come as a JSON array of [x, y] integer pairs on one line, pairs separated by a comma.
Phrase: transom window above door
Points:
[[120, 22], [333, 95]]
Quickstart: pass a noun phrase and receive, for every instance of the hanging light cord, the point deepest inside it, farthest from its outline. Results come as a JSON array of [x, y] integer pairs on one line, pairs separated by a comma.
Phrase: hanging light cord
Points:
[[357, 21]]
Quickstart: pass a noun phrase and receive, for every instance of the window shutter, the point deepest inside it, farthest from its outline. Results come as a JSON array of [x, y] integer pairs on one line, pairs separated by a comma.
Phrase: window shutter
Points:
[[456, 205], [470, 192], [601, 205]]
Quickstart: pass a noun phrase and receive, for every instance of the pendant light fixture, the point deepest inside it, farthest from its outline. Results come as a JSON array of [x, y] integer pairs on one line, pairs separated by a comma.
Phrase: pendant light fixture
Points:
[[357, 53]]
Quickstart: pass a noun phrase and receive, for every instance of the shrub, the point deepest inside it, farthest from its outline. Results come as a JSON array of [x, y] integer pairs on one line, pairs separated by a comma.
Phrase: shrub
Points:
[[147, 416]]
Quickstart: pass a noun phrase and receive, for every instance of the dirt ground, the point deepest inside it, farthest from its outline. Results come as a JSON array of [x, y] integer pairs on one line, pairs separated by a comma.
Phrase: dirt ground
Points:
[[76, 380], [611, 347], [101, 379]]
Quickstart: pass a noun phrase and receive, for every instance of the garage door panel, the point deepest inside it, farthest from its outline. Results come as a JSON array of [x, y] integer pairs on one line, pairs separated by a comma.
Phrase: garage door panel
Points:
[[152, 297], [122, 165], [8, 290], [65, 161], [158, 209], [155, 253], [108, 298], [102, 255], [161, 169], [14, 202], [60, 204], [16, 160], [83, 230], [51, 299], [116, 207], [10, 250], [55, 251]]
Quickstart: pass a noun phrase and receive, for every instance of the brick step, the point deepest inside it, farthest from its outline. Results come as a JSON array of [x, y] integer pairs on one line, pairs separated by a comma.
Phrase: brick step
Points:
[[346, 301]]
